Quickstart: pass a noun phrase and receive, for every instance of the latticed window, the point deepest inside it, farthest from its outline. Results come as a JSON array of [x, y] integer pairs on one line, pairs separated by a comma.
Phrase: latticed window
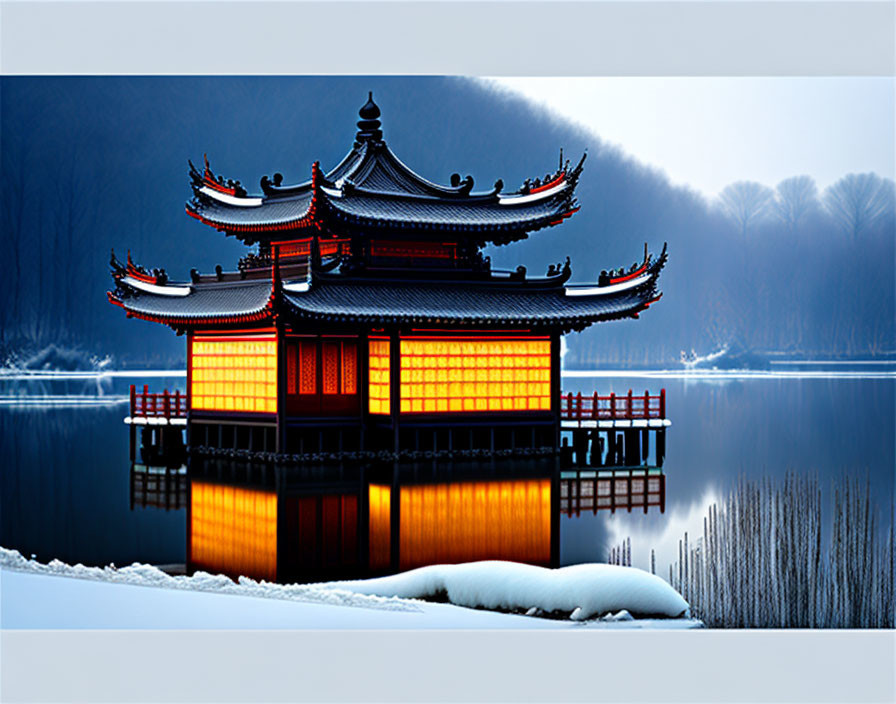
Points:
[[379, 376], [234, 373], [475, 374]]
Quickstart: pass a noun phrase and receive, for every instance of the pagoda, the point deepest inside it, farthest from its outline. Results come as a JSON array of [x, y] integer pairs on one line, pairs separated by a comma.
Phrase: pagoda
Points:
[[367, 326]]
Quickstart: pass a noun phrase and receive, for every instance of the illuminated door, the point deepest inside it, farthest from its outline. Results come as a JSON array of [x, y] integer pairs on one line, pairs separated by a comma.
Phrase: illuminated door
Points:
[[321, 376]]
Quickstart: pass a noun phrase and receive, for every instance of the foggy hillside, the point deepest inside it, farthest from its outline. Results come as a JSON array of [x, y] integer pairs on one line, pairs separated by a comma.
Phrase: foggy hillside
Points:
[[100, 162]]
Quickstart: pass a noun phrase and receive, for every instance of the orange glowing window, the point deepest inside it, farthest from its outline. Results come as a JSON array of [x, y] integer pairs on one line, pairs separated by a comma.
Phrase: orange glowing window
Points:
[[233, 530], [234, 373], [379, 376], [472, 374], [467, 521]]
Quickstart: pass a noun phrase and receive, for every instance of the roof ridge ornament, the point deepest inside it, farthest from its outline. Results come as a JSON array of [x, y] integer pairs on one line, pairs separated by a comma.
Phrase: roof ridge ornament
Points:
[[369, 126]]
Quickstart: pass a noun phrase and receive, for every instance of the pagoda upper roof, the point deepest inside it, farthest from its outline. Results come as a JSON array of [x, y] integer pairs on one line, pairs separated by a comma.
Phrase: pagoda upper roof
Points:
[[372, 187], [334, 298]]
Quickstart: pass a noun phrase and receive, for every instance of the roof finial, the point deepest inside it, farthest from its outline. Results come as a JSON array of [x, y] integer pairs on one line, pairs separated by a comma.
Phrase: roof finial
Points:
[[369, 126]]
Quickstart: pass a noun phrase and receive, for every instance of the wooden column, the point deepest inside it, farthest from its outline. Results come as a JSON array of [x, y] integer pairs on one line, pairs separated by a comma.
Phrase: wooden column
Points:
[[363, 387], [395, 412], [555, 386], [280, 443]]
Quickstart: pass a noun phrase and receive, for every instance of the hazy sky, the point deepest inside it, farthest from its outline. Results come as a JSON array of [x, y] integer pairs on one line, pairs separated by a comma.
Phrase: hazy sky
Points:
[[709, 132]]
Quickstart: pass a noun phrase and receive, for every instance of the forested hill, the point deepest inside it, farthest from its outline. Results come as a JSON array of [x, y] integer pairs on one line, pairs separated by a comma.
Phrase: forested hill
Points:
[[91, 163]]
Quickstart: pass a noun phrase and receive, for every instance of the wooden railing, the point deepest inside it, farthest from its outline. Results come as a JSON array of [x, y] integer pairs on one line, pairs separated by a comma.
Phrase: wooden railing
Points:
[[613, 407], [163, 405]]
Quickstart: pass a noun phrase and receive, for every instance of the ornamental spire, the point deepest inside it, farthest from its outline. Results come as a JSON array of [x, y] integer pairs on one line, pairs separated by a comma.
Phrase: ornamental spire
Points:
[[369, 126]]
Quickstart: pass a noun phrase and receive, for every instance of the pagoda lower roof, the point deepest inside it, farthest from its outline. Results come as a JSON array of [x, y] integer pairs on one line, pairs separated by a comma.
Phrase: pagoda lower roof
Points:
[[186, 305], [419, 302], [334, 298]]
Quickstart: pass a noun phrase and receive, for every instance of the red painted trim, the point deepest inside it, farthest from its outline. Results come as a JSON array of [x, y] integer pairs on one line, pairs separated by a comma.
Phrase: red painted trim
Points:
[[209, 336], [546, 186], [211, 183], [628, 277]]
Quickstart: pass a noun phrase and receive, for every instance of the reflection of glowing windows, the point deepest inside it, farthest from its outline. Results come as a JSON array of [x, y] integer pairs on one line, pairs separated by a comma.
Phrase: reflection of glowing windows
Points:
[[379, 512], [472, 374], [467, 521], [234, 373], [379, 376], [233, 530]]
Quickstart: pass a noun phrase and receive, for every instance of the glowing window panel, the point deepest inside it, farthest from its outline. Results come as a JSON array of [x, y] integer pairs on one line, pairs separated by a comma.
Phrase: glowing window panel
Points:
[[307, 367], [473, 374], [330, 363], [467, 521], [349, 368], [380, 518], [234, 374], [378, 385], [233, 530]]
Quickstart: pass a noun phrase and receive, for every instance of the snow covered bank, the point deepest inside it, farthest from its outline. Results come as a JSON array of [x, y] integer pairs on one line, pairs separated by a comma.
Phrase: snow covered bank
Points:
[[580, 591], [57, 595], [149, 576]]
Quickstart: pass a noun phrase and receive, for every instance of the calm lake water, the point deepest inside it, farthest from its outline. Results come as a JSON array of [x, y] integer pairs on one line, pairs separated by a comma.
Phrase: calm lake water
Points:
[[65, 485]]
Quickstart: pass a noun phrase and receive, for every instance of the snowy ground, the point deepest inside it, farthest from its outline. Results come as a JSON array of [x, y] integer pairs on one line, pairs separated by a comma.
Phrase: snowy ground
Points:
[[59, 596]]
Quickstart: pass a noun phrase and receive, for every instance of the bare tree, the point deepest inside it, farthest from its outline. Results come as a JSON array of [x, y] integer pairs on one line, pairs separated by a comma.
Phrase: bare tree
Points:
[[795, 198], [746, 202], [857, 201]]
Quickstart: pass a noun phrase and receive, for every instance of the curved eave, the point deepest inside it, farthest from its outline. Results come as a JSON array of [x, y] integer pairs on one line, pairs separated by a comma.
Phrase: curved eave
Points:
[[459, 218], [223, 304], [457, 305]]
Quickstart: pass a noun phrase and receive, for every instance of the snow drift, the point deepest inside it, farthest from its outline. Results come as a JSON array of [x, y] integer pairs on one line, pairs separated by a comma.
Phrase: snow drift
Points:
[[582, 591], [149, 576]]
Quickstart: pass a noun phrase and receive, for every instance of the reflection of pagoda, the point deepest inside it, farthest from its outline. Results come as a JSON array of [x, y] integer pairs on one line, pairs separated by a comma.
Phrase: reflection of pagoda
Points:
[[368, 327]]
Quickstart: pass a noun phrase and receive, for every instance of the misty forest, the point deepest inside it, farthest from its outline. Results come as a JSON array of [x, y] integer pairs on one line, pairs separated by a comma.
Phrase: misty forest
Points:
[[89, 164]]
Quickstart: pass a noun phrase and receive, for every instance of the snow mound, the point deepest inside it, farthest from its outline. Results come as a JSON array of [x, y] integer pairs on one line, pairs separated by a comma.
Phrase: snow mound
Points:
[[582, 591], [149, 576]]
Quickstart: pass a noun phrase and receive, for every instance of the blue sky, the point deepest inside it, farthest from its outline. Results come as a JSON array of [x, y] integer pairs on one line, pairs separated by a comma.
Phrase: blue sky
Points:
[[709, 132]]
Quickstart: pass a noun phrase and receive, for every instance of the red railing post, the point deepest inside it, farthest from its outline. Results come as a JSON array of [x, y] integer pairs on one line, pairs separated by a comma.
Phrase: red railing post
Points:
[[146, 399], [166, 404], [133, 400], [177, 410], [579, 404], [594, 406], [629, 404], [662, 403], [612, 405], [646, 403], [569, 405]]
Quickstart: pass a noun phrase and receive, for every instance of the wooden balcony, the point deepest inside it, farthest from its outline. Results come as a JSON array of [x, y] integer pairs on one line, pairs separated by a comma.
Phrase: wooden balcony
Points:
[[164, 408], [627, 410]]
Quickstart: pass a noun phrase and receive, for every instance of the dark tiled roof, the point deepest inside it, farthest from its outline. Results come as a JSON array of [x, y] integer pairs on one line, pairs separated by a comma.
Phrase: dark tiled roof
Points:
[[376, 188], [460, 304], [273, 211], [217, 300], [442, 213]]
